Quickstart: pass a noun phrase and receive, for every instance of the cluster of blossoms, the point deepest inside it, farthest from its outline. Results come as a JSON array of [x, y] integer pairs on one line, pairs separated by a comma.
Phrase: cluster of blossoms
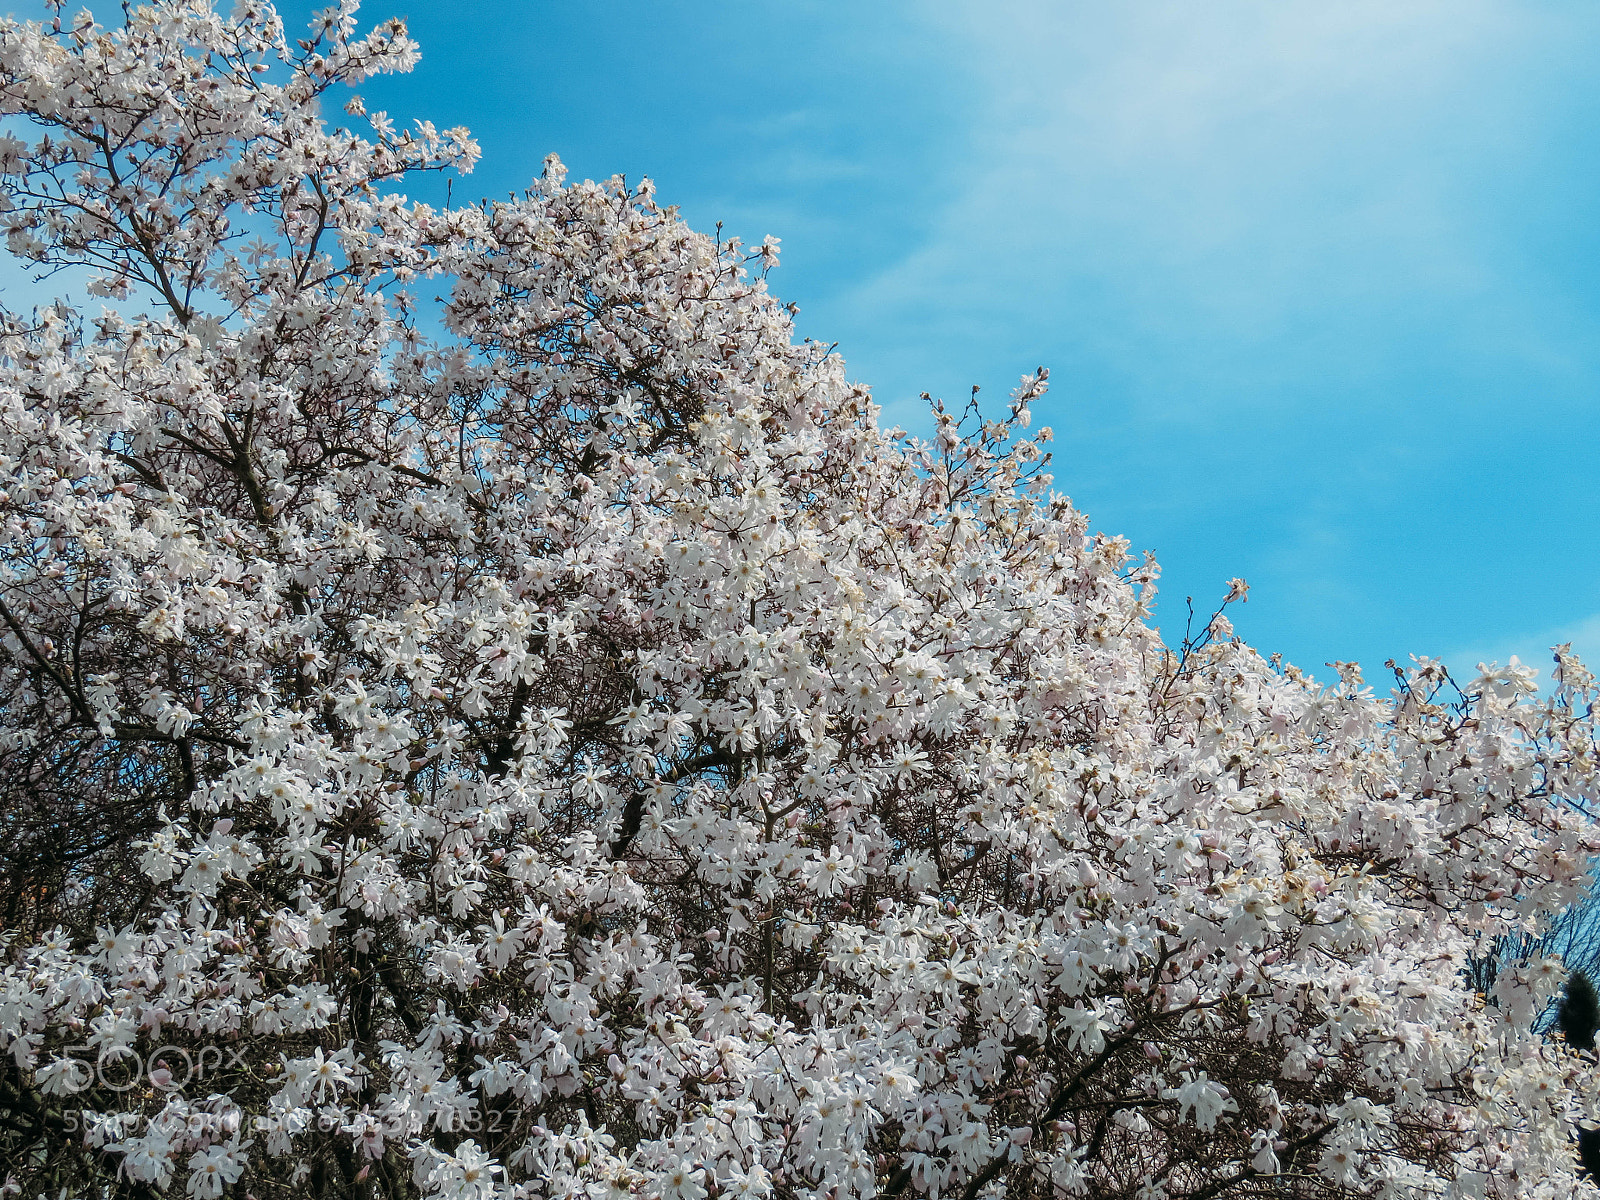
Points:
[[556, 743]]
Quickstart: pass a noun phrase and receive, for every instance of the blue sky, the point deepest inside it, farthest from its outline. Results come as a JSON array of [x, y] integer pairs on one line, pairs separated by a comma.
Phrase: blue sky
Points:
[[1317, 284]]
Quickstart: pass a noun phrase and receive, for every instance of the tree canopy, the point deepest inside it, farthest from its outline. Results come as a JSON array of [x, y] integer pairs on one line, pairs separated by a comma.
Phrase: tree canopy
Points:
[[553, 741]]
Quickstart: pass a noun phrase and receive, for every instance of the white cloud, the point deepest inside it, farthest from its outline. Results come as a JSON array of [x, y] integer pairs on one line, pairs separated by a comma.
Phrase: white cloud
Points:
[[1250, 190], [1532, 648]]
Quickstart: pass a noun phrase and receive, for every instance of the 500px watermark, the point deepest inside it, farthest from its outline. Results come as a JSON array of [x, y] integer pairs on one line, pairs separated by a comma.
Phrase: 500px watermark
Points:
[[123, 1069]]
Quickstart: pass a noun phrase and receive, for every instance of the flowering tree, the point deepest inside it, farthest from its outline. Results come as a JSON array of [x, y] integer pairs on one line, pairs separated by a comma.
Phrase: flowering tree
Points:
[[559, 744]]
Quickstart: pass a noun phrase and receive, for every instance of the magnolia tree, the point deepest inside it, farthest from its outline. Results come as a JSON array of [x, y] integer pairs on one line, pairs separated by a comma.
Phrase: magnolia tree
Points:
[[554, 742]]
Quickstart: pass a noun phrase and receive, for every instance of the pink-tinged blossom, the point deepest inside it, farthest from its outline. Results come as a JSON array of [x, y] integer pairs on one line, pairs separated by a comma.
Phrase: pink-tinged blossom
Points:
[[1201, 1100], [213, 1170]]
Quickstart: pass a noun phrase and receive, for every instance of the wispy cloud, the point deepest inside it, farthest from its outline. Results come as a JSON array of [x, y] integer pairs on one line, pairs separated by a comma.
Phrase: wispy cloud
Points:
[[1263, 189], [1531, 648]]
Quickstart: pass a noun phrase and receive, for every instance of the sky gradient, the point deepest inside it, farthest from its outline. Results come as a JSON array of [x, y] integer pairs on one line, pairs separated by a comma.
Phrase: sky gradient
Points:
[[1316, 284]]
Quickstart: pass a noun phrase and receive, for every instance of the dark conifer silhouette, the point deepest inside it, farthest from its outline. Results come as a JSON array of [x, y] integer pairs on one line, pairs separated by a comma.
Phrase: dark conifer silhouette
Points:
[[1580, 1012], [1579, 1019]]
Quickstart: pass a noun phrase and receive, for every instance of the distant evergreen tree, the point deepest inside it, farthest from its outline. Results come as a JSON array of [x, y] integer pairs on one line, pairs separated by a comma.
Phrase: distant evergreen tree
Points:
[[1580, 1012], [1589, 1152], [1579, 1019]]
